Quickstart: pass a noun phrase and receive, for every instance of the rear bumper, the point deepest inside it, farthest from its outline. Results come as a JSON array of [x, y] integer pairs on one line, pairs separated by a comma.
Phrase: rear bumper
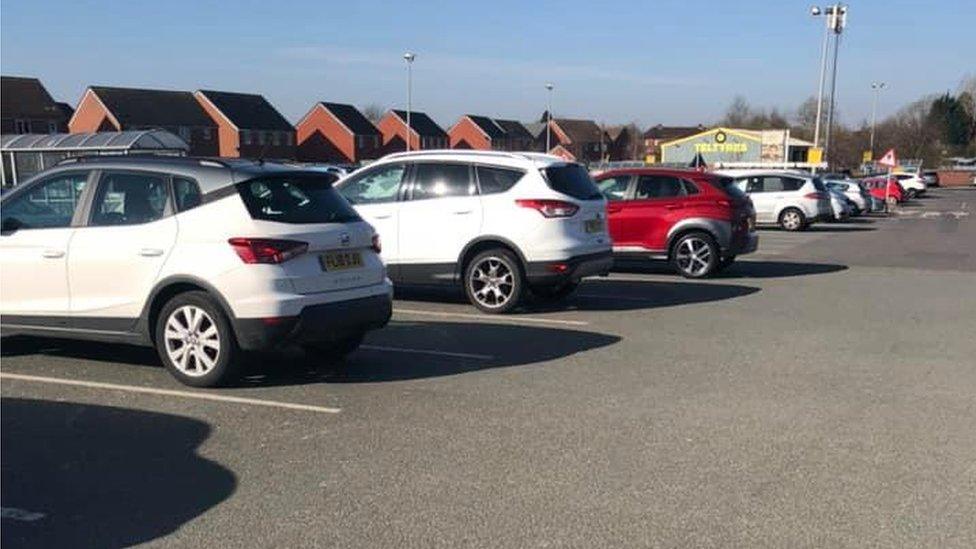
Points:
[[320, 323], [741, 245], [572, 269]]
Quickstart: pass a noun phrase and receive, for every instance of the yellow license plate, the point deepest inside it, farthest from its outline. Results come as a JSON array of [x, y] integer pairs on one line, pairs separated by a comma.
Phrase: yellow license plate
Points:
[[340, 261], [594, 225]]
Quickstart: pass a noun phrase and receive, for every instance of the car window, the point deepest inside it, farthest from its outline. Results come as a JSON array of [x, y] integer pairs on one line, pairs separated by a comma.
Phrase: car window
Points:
[[296, 198], [572, 180], [441, 180], [817, 184], [690, 187], [614, 188], [129, 199], [48, 204], [497, 180], [374, 186], [658, 186], [187, 194]]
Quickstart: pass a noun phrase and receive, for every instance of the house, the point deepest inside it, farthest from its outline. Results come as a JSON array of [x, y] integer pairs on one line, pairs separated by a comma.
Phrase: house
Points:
[[424, 132], [655, 135], [623, 143], [248, 126], [27, 107], [105, 108], [484, 133], [583, 139], [737, 147], [337, 133]]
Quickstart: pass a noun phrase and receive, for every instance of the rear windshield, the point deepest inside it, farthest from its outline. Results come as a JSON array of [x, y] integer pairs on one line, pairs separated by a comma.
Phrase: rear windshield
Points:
[[819, 184], [572, 180], [301, 198], [728, 185]]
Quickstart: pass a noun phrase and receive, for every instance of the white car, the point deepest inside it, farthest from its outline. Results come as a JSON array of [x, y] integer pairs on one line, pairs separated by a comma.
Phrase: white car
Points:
[[858, 195], [496, 223], [913, 184], [200, 258], [792, 200], [839, 205]]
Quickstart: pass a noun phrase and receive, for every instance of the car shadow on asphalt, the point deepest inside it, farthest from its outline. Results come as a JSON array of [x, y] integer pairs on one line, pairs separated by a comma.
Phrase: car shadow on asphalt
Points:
[[84, 475], [745, 268], [840, 227]]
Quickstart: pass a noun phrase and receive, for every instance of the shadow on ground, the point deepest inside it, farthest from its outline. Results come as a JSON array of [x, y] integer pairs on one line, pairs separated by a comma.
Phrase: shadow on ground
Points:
[[840, 227], [743, 268], [102, 476]]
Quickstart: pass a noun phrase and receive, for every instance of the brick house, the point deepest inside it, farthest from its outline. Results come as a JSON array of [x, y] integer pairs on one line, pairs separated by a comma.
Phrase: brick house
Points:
[[338, 133], [655, 135], [248, 125], [27, 107], [624, 143], [118, 109], [583, 139], [484, 133], [424, 132]]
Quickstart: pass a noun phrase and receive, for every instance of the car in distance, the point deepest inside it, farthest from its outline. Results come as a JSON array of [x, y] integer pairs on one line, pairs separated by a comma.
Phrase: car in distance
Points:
[[497, 224], [698, 221], [912, 183], [792, 200], [859, 197], [930, 178], [202, 259], [839, 205], [886, 190]]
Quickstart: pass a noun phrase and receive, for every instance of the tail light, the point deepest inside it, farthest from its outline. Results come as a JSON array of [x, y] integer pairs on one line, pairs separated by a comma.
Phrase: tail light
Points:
[[377, 246], [815, 196], [550, 208], [267, 250]]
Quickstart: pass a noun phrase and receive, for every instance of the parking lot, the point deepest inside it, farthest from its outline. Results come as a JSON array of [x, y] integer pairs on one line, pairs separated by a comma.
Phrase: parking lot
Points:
[[821, 392]]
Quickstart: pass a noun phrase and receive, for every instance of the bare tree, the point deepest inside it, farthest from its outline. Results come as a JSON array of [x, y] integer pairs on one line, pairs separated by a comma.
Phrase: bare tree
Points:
[[373, 112], [738, 114]]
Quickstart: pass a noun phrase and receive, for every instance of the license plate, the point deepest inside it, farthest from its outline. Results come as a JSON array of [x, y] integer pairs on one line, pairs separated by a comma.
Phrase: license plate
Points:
[[594, 225], [340, 261]]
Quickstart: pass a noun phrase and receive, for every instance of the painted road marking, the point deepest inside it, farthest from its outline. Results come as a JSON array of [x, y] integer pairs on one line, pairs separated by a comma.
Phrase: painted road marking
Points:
[[170, 392], [426, 352], [13, 513], [513, 319]]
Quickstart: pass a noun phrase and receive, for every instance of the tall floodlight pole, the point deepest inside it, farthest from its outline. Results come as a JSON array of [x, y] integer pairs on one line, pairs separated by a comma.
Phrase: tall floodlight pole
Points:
[[838, 19], [409, 57], [549, 87], [877, 87], [816, 12]]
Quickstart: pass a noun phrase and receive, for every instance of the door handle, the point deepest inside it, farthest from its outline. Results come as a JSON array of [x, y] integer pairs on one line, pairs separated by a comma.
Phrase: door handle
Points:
[[150, 252], [382, 216], [462, 212], [52, 254]]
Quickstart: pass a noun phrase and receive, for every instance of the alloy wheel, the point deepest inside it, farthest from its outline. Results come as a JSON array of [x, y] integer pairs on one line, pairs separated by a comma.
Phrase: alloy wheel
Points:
[[492, 282], [791, 220], [694, 256], [192, 340]]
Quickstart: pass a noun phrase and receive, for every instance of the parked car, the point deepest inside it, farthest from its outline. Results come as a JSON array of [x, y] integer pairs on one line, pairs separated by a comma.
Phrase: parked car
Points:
[[885, 189], [495, 223], [858, 196], [930, 178], [839, 205], [912, 183], [698, 221], [792, 200], [202, 259]]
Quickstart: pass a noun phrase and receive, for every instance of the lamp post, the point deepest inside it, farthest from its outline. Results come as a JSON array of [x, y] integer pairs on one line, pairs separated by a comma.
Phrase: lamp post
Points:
[[409, 57], [816, 11], [877, 87], [549, 87], [836, 21]]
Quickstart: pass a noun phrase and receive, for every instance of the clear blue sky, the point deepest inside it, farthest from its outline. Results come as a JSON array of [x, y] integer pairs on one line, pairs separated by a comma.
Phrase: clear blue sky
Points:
[[662, 61]]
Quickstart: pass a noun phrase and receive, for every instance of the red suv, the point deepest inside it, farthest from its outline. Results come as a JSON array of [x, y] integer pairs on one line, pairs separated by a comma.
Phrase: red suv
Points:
[[696, 220]]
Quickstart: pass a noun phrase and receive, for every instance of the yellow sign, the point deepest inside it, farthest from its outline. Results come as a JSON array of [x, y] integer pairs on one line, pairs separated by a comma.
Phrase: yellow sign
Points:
[[650, 159], [721, 147], [815, 155], [867, 156]]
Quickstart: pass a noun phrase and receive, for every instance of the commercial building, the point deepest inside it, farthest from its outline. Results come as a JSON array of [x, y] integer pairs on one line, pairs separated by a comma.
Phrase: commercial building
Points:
[[27, 107], [248, 126], [484, 133], [735, 147], [424, 132], [337, 133]]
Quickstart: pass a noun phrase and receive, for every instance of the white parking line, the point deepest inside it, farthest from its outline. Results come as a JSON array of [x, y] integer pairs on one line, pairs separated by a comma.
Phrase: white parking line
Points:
[[425, 352], [513, 319], [171, 392]]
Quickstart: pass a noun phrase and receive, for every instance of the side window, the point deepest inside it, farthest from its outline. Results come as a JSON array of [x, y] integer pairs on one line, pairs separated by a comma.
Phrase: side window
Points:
[[773, 184], [49, 204], [752, 184], [441, 180], [792, 184], [187, 194], [374, 186], [614, 188], [129, 199], [690, 187], [497, 180], [658, 186]]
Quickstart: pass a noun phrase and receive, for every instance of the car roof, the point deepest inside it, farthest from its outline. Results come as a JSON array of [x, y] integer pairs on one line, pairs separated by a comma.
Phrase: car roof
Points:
[[500, 158], [675, 172], [752, 172]]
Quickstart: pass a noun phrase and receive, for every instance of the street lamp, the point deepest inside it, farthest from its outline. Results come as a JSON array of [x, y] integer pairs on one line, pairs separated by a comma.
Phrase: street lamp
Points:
[[549, 87], [409, 57], [836, 19], [877, 87]]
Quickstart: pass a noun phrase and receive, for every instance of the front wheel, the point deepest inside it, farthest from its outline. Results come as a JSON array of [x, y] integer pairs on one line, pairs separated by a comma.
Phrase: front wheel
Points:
[[695, 255], [555, 293], [792, 219], [195, 341], [493, 281], [912, 193]]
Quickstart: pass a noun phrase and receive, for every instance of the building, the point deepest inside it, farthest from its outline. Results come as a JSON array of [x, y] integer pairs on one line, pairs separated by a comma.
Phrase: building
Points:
[[27, 107], [624, 143], [337, 133], [735, 147], [483, 133], [248, 126], [581, 139], [121, 109], [655, 135], [424, 132]]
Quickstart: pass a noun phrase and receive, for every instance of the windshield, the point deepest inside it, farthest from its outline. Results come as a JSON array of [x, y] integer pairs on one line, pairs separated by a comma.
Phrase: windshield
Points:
[[572, 180], [296, 198]]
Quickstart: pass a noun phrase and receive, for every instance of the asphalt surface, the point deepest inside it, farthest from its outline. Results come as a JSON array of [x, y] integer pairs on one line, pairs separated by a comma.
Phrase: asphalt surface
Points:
[[821, 393]]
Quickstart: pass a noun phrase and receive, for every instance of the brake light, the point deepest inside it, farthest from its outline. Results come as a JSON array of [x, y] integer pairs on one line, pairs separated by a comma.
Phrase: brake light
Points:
[[377, 246], [815, 196], [267, 250], [550, 208]]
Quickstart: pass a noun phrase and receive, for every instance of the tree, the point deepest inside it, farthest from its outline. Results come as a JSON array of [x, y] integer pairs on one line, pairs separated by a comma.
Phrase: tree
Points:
[[738, 114], [951, 121], [373, 112]]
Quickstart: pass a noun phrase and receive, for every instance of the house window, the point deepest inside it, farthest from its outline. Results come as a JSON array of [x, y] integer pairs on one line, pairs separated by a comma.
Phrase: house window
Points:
[[275, 139], [207, 134], [288, 140], [22, 126], [185, 133], [52, 127], [246, 137], [261, 139]]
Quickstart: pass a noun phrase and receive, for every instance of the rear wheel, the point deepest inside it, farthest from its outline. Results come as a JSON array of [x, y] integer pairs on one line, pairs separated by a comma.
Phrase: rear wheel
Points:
[[695, 255], [493, 281], [556, 292], [195, 341], [792, 219], [911, 193]]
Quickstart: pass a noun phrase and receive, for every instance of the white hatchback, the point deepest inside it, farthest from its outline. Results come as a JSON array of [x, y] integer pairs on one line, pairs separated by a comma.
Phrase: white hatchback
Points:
[[200, 258], [792, 200], [495, 223]]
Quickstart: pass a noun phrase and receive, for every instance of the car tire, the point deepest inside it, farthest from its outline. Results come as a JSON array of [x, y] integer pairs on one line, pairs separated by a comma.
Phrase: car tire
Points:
[[332, 352], [792, 219], [493, 281], [911, 193], [195, 341], [695, 255], [556, 292]]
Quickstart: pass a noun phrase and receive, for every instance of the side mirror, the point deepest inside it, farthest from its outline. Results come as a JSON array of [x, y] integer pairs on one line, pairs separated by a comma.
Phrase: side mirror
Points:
[[10, 225]]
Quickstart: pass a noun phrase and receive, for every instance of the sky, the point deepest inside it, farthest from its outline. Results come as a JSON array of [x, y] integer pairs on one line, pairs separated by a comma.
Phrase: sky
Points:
[[653, 61]]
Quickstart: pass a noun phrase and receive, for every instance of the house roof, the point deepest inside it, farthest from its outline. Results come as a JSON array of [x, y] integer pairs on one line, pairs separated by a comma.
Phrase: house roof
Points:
[[514, 129], [421, 123], [579, 131], [616, 132], [247, 111], [536, 129], [672, 132], [487, 125], [67, 111], [350, 116], [22, 97], [142, 107]]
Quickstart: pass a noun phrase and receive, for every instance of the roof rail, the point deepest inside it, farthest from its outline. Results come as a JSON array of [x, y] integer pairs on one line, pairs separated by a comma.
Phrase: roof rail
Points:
[[527, 155], [212, 162]]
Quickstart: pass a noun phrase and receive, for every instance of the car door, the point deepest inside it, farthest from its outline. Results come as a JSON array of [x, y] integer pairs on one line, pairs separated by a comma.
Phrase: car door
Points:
[[764, 203], [617, 190], [37, 228], [442, 213], [115, 259], [655, 207], [375, 193]]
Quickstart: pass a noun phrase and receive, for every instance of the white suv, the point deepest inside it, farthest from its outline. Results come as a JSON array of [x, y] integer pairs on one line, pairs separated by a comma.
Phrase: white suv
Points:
[[200, 258], [793, 200], [913, 183], [497, 223]]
